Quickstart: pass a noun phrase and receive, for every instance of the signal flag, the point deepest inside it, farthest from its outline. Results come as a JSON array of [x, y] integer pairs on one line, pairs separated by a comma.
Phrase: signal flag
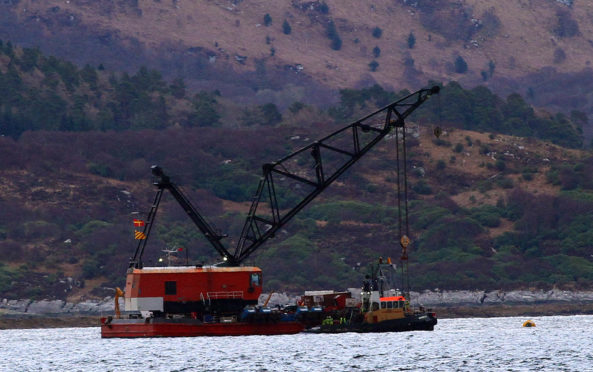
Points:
[[138, 223], [139, 235]]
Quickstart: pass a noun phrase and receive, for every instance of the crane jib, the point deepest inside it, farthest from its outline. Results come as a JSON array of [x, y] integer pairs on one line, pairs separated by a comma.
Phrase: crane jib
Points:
[[257, 228]]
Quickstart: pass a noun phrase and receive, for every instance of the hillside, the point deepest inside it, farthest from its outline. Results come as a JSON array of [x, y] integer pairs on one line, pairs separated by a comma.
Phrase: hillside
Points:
[[488, 210], [469, 209], [501, 200], [298, 50]]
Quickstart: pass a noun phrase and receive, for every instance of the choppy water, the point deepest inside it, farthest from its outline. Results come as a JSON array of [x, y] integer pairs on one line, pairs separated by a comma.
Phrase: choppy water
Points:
[[494, 344]]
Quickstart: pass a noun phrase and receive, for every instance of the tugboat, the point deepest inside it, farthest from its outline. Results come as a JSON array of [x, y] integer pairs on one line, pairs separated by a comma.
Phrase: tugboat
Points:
[[377, 310], [221, 300]]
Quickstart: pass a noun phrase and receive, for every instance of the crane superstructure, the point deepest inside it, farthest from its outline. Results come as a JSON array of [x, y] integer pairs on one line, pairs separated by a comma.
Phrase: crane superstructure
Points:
[[286, 187]]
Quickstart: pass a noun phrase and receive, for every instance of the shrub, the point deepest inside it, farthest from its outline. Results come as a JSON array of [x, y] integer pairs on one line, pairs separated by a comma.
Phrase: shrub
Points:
[[373, 65], [376, 52], [422, 188], [505, 183], [267, 20], [441, 142], [527, 176], [332, 34], [487, 216], [566, 26], [460, 65], [559, 55], [10, 250], [336, 44], [286, 28], [377, 32], [458, 148], [411, 40]]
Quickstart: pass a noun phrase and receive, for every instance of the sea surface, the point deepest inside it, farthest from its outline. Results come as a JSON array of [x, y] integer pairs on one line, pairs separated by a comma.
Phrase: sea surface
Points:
[[557, 343]]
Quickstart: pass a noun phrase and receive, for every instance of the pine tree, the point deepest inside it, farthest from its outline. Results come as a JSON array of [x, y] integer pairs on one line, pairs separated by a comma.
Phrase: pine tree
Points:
[[460, 65], [286, 28], [411, 40]]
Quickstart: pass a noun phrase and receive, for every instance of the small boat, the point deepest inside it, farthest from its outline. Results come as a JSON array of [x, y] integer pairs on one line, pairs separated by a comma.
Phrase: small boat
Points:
[[377, 310]]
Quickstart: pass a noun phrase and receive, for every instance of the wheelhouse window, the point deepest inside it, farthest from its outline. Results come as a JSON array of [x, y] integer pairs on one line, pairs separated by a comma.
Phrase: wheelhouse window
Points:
[[171, 288]]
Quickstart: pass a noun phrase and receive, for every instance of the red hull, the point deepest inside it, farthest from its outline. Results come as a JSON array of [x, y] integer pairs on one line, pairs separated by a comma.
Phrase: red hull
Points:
[[131, 328]]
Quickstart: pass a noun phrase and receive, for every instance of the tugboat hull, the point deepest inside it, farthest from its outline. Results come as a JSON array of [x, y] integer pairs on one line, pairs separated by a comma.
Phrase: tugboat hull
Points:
[[410, 323]]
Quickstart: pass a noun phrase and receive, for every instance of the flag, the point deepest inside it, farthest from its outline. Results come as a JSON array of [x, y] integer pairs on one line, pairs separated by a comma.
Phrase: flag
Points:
[[138, 223], [139, 235]]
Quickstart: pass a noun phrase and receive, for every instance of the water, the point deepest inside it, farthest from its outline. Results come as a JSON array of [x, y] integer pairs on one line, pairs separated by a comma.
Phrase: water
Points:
[[478, 344]]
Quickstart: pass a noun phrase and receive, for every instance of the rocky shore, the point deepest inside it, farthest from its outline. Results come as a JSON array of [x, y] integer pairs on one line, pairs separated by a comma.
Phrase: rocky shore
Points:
[[448, 304]]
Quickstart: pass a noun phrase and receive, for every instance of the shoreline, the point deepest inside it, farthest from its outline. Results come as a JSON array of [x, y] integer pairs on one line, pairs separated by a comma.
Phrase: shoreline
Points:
[[26, 321]]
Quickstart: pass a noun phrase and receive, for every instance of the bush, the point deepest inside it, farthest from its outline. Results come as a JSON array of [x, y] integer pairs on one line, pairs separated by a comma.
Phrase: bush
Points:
[[373, 65], [566, 26], [377, 32], [91, 269], [460, 65], [286, 29], [267, 20], [505, 183], [500, 164], [422, 188], [411, 40], [559, 55], [376, 52], [10, 250], [332, 34]]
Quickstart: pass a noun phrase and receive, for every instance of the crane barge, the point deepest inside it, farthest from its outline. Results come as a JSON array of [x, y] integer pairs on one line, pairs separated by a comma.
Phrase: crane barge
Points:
[[221, 299]]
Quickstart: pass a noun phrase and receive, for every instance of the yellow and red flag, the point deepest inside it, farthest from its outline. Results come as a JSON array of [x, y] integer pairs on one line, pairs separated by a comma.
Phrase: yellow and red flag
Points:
[[138, 223], [139, 235]]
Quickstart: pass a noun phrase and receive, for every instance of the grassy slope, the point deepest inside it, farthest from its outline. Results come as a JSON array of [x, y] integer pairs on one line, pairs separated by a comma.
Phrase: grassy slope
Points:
[[524, 42]]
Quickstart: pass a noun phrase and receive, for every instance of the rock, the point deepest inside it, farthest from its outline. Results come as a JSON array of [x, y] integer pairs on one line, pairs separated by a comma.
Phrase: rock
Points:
[[15, 305], [46, 307]]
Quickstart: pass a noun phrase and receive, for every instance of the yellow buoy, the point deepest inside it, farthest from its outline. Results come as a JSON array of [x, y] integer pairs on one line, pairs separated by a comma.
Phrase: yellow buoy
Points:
[[529, 323]]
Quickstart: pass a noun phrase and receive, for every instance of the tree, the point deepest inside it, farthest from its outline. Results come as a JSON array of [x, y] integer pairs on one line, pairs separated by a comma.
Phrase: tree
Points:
[[267, 114], [336, 43], [177, 88], [491, 67], [411, 40], [205, 113], [377, 32], [267, 20], [286, 28], [271, 115], [332, 34], [376, 52], [460, 65], [373, 65]]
